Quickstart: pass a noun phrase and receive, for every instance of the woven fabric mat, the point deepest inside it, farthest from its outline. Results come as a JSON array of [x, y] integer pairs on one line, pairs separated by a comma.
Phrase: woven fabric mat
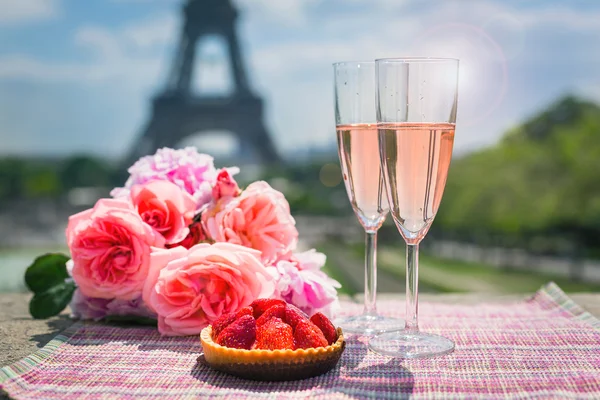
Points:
[[543, 347]]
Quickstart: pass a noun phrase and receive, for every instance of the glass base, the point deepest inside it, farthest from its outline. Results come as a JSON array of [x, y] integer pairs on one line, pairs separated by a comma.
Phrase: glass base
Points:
[[406, 344], [367, 324]]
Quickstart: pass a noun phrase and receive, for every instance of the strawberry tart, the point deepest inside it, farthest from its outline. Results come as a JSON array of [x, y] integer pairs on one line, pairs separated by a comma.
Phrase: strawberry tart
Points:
[[272, 340]]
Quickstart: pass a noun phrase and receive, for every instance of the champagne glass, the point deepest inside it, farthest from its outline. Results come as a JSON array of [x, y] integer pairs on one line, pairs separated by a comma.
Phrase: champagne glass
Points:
[[416, 115], [358, 147]]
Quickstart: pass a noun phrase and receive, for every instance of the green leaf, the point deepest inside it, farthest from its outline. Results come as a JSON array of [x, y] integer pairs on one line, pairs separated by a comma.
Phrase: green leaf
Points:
[[132, 319], [52, 301], [46, 271]]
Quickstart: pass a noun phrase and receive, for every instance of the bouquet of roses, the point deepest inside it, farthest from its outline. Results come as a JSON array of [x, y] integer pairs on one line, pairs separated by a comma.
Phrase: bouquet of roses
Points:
[[180, 243]]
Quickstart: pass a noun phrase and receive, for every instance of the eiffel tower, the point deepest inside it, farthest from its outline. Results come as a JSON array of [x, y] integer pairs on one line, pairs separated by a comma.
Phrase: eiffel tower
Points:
[[178, 113]]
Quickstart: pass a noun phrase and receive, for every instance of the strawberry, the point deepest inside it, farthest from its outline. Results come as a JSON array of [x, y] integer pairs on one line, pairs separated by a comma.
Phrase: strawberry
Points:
[[244, 311], [293, 315], [221, 323], [261, 305], [240, 334], [325, 325], [274, 334], [275, 311], [307, 335]]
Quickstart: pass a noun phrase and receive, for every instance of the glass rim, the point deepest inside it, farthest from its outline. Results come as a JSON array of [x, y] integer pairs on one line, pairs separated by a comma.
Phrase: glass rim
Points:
[[415, 60], [352, 62]]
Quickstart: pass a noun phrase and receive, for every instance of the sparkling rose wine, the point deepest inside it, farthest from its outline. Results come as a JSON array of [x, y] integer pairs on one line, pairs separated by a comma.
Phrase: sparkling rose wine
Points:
[[415, 158], [358, 147]]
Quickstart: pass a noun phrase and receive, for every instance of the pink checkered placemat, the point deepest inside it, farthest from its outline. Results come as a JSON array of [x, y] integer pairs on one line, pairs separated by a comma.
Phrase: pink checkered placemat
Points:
[[544, 347]]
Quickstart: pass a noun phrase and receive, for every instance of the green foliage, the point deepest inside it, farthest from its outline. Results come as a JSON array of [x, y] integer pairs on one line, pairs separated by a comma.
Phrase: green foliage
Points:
[[23, 179], [12, 174], [543, 177], [45, 271], [52, 301], [48, 279], [39, 182]]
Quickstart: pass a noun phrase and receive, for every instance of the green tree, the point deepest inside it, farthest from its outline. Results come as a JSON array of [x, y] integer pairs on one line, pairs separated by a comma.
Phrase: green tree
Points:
[[41, 182], [85, 171], [543, 178], [12, 173]]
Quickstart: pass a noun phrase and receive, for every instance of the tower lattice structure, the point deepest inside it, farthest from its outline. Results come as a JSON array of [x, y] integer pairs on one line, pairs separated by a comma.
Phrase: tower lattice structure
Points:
[[177, 112]]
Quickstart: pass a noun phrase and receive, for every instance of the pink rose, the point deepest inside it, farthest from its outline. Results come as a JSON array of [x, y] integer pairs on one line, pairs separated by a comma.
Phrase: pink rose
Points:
[[189, 289], [192, 171], [226, 186], [110, 249], [83, 307], [165, 207], [259, 218], [311, 259], [301, 281]]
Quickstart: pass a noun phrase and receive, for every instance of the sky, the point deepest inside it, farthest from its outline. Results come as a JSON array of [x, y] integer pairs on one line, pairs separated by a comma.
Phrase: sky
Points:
[[78, 76]]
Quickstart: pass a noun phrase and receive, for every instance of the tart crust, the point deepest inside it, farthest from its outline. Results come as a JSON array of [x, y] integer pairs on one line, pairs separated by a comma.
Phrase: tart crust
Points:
[[271, 365]]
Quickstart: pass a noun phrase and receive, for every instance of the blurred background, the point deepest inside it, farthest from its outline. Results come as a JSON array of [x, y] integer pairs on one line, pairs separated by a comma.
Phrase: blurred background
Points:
[[86, 86]]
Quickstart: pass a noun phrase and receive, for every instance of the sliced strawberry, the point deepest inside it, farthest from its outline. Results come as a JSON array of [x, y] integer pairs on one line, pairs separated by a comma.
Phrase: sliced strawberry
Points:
[[325, 325], [275, 311], [307, 335], [221, 323], [261, 305], [274, 334], [240, 334], [244, 311], [293, 315]]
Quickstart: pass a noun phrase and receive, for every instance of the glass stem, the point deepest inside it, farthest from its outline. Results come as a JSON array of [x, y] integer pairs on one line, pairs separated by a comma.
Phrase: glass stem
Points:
[[371, 273], [412, 287]]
